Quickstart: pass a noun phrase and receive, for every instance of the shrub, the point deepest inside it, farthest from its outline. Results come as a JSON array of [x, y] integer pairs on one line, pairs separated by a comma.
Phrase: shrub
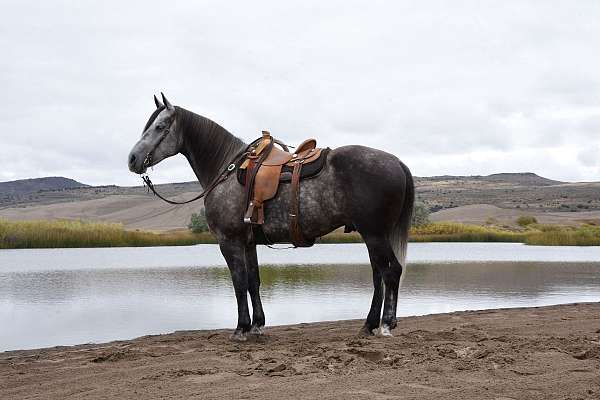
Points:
[[420, 214], [525, 220], [198, 222]]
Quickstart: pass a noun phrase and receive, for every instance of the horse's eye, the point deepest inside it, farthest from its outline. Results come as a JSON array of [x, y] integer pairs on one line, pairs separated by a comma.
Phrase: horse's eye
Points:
[[160, 127]]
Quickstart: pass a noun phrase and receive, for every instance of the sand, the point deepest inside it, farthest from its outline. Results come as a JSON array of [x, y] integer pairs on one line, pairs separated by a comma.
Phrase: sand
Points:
[[528, 353]]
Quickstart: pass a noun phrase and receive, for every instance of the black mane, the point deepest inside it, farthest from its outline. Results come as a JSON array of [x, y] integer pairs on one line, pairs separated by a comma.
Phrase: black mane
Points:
[[207, 143]]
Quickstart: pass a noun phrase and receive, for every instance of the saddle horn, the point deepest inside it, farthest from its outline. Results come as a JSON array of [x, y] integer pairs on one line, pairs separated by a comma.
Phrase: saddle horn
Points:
[[167, 104], [157, 102]]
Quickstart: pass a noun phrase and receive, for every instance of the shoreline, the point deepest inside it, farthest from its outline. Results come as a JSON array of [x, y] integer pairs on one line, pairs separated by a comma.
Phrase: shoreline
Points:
[[538, 352]]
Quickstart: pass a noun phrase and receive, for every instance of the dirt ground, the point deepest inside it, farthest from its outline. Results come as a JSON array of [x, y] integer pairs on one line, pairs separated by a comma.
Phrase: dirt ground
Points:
[[529, 353]]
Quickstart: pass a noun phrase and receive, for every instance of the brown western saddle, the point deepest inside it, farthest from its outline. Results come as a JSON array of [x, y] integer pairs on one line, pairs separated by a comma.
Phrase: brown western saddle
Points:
[[265, 166]]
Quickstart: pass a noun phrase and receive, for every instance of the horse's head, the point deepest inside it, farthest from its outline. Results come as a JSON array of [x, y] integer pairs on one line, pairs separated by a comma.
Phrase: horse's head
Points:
[[160, 139]]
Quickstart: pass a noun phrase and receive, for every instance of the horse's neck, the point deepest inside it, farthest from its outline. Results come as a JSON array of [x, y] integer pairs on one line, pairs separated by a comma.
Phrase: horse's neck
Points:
[[208, 147]]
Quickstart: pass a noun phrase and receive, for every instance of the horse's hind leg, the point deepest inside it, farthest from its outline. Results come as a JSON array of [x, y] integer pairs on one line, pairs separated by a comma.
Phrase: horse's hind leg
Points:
[[391, 279], [386, 268], [258, 316]]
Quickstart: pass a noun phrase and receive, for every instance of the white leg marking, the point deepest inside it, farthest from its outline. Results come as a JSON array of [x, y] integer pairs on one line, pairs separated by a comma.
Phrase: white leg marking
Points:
[[385, 331]]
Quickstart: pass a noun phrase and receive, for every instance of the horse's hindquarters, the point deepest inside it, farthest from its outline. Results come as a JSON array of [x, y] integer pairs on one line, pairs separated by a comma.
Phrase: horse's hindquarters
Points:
[[359, 187]]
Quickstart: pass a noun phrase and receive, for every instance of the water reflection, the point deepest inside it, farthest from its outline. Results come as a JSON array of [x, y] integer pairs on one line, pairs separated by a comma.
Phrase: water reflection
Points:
[[74, 306]]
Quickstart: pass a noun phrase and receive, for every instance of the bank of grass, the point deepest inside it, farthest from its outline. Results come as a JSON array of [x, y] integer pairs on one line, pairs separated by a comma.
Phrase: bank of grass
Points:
[[532, 234], [67, 233], [557, 235], [455, 232]]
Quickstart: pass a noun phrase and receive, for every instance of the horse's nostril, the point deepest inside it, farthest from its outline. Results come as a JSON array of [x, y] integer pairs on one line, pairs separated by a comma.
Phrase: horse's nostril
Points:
[[131, 159]]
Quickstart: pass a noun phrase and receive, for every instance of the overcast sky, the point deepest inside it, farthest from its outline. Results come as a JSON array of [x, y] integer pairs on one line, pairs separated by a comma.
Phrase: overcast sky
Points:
[[450, 87]]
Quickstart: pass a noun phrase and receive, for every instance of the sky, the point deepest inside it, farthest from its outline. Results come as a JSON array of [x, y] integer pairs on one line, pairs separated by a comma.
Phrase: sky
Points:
[[451, 88]]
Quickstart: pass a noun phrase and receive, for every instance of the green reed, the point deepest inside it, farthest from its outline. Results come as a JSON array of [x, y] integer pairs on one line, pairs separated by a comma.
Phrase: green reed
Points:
[[74, 233], [68, 233]]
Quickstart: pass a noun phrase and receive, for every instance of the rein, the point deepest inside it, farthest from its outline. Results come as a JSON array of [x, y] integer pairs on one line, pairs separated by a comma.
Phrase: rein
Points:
[[220, 178]]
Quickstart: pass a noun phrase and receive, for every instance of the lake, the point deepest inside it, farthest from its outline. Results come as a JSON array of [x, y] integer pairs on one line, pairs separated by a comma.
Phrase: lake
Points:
[[54, 297]]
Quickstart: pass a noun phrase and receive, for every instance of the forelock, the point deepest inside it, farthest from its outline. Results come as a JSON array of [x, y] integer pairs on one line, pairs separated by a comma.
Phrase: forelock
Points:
[[153, 117]]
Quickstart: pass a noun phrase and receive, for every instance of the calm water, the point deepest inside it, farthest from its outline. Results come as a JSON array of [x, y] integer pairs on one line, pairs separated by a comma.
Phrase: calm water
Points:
[[69, 296]]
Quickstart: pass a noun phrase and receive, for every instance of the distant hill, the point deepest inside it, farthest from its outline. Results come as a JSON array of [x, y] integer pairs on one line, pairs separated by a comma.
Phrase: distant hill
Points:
[[475, 198], [524, 178], [26, 186], [516, 178]]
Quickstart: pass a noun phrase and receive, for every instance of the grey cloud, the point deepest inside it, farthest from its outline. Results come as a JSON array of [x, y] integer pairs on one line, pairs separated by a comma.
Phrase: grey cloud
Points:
[[590, 156], [468, 87]]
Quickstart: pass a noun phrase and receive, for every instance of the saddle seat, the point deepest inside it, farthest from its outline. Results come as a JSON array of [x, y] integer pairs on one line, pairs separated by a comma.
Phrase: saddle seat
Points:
[[262, 172]]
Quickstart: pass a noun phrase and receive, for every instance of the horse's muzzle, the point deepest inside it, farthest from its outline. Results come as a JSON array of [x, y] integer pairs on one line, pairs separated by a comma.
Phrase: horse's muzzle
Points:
[[136, 165]]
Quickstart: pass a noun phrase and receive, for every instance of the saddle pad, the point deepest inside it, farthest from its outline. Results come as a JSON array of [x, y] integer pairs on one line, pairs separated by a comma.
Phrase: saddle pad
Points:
[[308, 170]]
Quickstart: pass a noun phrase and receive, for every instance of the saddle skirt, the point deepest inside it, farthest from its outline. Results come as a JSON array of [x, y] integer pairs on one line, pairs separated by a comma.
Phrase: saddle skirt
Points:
[[266, 166]]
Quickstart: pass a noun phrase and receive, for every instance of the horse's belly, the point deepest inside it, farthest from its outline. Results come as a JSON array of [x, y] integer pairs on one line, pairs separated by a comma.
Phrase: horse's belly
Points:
[[320, 211]]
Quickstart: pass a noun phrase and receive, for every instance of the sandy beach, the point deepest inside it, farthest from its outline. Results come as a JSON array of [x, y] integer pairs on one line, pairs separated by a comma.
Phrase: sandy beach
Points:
[[527, 353]]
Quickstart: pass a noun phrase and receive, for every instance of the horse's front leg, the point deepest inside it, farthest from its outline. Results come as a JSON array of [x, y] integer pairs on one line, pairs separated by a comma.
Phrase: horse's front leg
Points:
[[235, 256], [258, 316]]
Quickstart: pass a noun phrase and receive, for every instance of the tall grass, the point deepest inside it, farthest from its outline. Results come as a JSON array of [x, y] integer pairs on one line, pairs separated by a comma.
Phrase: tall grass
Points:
[[455, 232], [555, 235], [534, 234], [64, 233]]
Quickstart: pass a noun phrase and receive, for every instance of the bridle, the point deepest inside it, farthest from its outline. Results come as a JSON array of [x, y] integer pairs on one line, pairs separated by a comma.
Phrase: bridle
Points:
[[148, 158], [220, 178], [231, 166]]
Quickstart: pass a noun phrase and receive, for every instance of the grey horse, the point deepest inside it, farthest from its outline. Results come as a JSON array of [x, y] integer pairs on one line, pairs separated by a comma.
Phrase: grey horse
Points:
[[360, 188]]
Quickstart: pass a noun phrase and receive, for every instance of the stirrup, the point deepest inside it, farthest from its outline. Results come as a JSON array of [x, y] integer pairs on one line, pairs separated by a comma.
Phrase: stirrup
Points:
[[255, 214], [249, 213]]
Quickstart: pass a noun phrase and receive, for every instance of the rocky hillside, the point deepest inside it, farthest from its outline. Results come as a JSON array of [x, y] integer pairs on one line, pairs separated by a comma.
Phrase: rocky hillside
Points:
[[25, 186], [17, 191], [523, 191], [515, 178], [508, 190]]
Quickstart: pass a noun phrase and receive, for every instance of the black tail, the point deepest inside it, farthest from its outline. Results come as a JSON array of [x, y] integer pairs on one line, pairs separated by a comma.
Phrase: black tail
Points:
[[398, 235]]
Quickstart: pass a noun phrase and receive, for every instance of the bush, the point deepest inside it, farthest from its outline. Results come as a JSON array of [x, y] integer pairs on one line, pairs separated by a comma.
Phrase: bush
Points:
[[525, 220], [420, 214], [198, 222]]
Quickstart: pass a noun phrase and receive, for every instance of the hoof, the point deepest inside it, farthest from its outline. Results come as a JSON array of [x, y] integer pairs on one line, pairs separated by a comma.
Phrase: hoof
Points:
[[365, 331], [256, 331], [385, 331], [238, 337]]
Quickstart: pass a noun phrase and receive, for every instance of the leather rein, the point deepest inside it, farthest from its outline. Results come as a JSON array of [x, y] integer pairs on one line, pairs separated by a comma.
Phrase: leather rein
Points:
[[220, 178]]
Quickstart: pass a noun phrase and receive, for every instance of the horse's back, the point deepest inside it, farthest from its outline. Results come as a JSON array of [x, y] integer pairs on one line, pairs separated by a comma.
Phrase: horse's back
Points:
[[369, 167], [374, 183]]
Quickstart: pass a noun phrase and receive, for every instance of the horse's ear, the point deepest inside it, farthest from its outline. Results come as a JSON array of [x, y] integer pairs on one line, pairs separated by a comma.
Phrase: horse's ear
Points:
[[167, 104], [157, 102]]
